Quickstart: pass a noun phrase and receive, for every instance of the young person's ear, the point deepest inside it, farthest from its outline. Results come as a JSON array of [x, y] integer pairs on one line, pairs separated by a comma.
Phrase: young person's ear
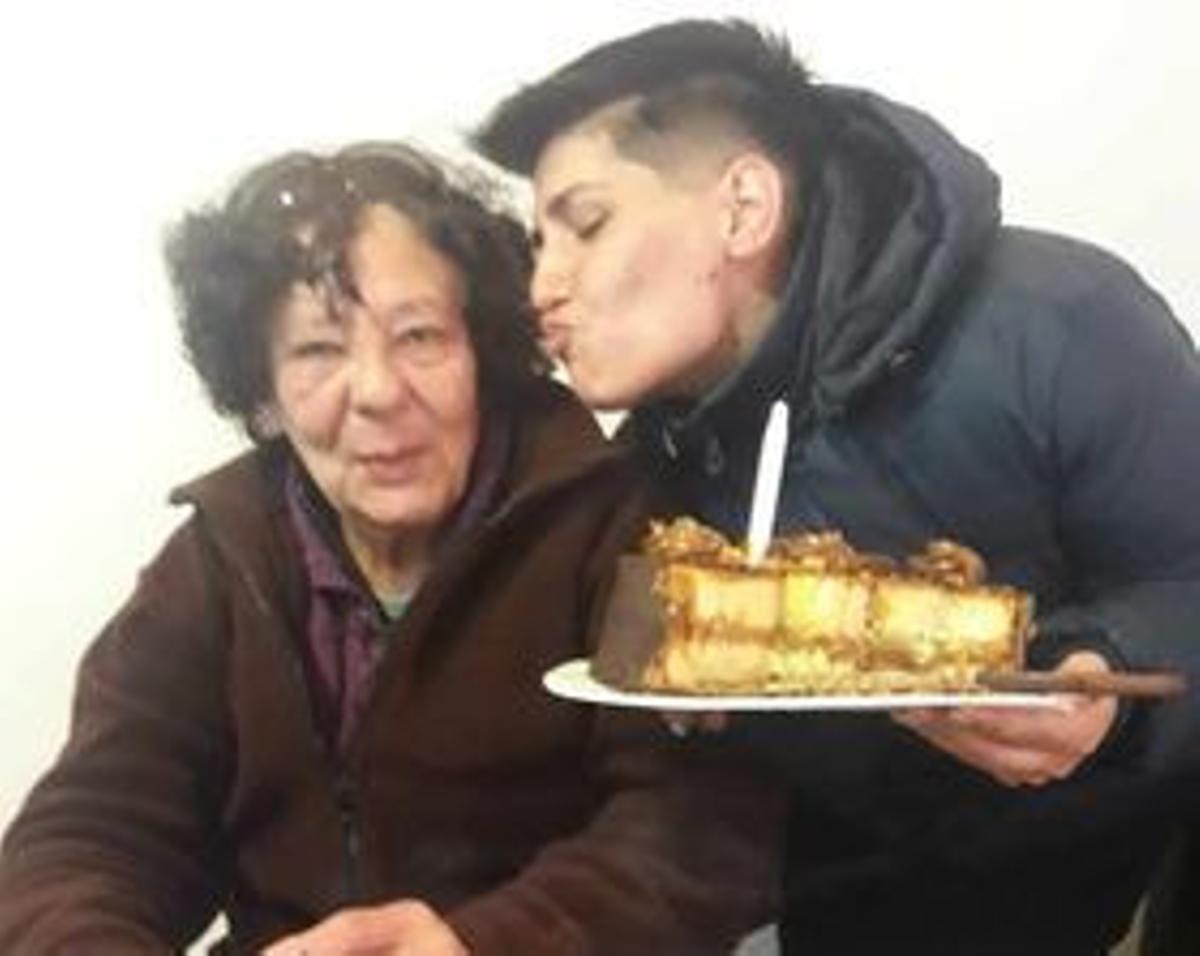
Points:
[[755, 200]]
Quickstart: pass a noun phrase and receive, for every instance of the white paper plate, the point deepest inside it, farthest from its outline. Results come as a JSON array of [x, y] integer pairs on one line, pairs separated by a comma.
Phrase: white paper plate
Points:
[[573, 680]]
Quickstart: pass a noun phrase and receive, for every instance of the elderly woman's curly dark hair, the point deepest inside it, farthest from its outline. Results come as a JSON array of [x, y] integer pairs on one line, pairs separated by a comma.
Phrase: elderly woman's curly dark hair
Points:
[[231, 264]]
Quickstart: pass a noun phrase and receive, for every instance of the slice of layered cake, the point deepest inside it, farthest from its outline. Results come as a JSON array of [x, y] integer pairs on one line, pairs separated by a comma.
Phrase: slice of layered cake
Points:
[[815, 616]]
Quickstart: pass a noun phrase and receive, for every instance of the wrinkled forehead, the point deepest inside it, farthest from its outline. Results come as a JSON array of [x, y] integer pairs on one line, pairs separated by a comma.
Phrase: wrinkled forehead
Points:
[[394, 252], [385, 262]]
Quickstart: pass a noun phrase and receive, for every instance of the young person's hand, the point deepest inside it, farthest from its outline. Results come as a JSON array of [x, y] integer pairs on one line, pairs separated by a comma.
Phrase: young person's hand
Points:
[[1022, 747]]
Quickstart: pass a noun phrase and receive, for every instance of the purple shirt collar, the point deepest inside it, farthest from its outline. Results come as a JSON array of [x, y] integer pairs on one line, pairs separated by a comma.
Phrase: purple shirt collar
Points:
[[345, 627]]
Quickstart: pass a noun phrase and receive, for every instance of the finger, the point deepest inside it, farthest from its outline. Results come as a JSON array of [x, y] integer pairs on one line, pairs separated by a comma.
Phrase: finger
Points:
[[306, 943], [914, 717], [1045, 731], [682, 723], [678, 724], [944, 731], [1083, 662], [1070, 732], [1023, 769], [290, 946], [713, 721], [1012, 766], [365, 931]]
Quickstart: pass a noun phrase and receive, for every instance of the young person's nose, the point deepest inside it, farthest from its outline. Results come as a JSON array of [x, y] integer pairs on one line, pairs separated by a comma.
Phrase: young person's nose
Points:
[[549, 285]]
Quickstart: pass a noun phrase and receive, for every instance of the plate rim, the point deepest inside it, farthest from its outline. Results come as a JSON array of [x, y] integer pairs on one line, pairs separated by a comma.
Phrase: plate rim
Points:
[[572, 680]]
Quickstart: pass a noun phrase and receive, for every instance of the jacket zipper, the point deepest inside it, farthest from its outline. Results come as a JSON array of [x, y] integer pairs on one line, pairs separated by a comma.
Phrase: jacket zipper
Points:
[[342, 785], [346, 794]]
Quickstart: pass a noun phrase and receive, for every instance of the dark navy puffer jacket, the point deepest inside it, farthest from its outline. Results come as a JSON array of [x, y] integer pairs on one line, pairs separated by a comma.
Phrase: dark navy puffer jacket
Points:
[[1025, 394]]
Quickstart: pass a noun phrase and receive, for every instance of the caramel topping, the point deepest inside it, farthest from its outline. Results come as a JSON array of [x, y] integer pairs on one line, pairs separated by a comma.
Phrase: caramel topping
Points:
[[685, 539], [949, 564]]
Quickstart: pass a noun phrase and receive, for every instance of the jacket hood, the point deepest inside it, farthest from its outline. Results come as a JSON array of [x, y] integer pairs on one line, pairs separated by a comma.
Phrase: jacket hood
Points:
[[899, 210], [892, 218]]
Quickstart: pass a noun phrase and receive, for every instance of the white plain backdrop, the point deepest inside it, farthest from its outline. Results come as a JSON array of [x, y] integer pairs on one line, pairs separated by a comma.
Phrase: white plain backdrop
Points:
[[117, 115]]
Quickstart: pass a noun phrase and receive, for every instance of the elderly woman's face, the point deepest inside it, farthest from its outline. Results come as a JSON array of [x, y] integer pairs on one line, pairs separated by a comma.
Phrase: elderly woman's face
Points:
[[380, 400]]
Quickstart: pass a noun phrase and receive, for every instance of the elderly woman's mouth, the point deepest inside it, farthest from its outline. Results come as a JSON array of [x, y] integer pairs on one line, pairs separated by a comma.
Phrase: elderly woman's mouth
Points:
[[393, 466]]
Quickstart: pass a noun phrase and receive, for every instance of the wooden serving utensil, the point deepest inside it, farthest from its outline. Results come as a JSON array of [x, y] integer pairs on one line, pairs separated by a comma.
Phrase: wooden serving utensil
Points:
[[1117, 683]]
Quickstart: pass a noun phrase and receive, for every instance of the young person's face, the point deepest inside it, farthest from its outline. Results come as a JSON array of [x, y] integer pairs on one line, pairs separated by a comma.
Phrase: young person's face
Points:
[[629, 282]]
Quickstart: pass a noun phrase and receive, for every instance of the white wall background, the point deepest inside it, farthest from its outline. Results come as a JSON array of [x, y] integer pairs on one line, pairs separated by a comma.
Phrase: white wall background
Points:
[[117, 115]]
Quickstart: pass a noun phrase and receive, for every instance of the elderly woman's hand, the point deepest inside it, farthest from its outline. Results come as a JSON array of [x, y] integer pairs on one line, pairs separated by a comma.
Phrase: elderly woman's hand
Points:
[[1020, 747], [403, 928]]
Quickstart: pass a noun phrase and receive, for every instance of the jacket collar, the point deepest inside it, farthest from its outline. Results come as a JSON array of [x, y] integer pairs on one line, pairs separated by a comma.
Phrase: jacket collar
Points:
[[553, 438]]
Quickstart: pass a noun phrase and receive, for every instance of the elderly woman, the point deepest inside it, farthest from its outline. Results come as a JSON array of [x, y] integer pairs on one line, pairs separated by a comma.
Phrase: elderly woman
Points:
[[320, 711]]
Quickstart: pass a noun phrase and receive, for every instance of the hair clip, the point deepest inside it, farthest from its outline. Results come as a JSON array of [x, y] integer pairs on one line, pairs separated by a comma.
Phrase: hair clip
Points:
[[287, 198]]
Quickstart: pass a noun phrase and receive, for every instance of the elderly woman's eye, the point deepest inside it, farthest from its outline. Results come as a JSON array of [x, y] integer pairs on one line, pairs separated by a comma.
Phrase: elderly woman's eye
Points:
[[316, 349], [423, 344]]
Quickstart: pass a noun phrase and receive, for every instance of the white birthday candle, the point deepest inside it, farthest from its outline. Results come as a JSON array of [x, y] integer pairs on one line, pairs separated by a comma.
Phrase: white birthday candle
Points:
[[771, 456]]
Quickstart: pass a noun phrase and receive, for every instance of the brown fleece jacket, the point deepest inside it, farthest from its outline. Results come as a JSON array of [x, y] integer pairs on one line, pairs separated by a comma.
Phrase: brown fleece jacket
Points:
[[194, 780]]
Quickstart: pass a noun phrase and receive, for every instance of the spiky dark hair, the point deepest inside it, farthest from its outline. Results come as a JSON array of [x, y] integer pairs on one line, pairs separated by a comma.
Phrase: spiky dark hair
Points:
[[672, 73]]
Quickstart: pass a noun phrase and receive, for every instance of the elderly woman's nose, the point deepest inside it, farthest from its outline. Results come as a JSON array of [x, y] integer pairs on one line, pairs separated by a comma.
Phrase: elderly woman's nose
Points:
[[377, 379]]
